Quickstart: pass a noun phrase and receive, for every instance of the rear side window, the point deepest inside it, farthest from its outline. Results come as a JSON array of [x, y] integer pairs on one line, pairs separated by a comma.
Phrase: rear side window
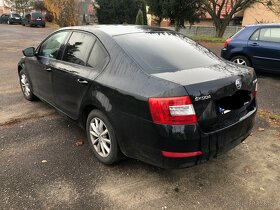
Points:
[[98, 57], [78, 48], [15, 15], [255, 36], [160, 52], [51, 47], [270, 34]]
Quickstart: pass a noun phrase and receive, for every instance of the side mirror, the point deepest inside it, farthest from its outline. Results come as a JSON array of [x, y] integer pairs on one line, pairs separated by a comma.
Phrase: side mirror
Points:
[[29, 52]]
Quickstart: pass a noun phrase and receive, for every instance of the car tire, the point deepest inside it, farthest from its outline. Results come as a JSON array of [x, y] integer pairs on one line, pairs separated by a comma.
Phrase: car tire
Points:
[[241, 60], [43, 26], [102, 138], [26, 86], [22, 24]]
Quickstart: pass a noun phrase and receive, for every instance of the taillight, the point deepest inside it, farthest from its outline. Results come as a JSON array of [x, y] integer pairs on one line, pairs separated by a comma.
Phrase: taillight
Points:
[[32, 18], [43, 19], [227, 42], [172, 111]]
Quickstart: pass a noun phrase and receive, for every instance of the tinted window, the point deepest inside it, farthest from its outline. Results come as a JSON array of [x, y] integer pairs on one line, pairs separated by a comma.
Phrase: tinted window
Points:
[[36, 15], [270, 34], [159, 52], [15, 15], [78, 48], [50, 48], [98, 57]]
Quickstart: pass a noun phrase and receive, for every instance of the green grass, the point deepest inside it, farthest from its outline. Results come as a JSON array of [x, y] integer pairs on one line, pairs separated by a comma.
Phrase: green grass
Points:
[[208, 38]]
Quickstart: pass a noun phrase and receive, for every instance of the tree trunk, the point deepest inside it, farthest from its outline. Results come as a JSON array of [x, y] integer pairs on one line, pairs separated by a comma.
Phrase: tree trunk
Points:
[[177, 24], [221, 26], [220, 31]]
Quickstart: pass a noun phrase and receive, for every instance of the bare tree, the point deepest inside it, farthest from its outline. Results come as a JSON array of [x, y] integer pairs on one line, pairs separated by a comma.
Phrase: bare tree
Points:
[[274, 5], [222, 11], [21, 6]]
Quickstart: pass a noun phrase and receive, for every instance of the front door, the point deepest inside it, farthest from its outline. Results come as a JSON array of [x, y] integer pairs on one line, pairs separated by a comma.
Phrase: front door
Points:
[[40, 66]]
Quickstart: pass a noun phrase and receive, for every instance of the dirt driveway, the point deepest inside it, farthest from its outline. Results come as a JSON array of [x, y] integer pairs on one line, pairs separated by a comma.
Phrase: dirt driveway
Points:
[[43, 168]]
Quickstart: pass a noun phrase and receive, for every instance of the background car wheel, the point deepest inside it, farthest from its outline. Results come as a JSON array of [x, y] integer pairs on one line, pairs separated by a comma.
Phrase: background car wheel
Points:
[[241, 60], [102, 138], [26, 86]]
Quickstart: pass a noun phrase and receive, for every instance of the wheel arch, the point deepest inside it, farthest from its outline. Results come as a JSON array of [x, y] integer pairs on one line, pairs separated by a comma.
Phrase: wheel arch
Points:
[[241, 54], [20, 67]]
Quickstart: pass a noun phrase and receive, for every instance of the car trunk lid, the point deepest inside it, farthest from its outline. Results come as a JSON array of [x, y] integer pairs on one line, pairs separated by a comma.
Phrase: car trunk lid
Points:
[[221, 94]]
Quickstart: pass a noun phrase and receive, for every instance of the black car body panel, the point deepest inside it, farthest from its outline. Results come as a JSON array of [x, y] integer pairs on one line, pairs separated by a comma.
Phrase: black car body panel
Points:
[[121, 90], [34, 19], [10, 18]]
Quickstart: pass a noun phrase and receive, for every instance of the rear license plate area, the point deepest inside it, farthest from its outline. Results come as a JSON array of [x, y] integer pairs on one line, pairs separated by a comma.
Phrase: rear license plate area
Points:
[[228, 104]]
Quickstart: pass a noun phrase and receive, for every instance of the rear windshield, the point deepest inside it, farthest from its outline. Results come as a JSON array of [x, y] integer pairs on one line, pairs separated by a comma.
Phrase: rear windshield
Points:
[[15, 15], [159, 52], [36, 15]]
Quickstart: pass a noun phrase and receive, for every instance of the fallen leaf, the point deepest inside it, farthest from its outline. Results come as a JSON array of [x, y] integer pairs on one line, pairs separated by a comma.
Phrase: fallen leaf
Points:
[[262, 189], [260, 129], [79, 142], [44, 161]]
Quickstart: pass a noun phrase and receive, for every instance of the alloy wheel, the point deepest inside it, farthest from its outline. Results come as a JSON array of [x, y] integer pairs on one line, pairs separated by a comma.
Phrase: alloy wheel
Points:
[[100, 137], [240, 61], [25, 85]]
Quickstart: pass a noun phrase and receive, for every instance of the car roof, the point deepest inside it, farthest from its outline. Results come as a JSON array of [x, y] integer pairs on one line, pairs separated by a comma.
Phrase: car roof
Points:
[[115, 30], [263, 24]]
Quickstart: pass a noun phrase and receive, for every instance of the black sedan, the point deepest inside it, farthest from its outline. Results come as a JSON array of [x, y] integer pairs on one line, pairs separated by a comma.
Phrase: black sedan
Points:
[[147, 93], [10, 18]]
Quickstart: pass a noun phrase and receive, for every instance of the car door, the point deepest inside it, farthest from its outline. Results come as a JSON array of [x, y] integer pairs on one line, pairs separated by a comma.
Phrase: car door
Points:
[[264, 47], [39, 67], [70, 75]]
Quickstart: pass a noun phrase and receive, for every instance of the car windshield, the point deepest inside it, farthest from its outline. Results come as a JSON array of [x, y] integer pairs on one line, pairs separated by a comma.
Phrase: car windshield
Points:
[[15, 15], [159, 52]]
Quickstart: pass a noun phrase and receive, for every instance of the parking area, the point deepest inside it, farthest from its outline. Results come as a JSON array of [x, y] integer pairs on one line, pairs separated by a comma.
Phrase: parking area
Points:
[[46, 163]]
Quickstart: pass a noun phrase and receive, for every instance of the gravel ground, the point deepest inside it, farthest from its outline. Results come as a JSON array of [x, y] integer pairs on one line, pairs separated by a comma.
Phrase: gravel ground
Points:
[[43, 168]]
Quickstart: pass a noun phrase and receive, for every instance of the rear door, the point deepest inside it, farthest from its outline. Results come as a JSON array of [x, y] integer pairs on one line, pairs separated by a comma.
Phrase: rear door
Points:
[[39, 67], [70, 79], [264, 47]]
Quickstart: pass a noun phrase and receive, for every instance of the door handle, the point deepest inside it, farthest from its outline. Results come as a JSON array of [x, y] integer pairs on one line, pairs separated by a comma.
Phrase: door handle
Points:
[[81, 81], [254, 44]]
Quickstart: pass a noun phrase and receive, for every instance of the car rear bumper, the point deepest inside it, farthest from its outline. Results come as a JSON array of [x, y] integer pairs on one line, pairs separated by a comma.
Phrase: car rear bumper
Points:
[[215, 143], [37, 23], [146, 141], [15, 21], [225, 54]]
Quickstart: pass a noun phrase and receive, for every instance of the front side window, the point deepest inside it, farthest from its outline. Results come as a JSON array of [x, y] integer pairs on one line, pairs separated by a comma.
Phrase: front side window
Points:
[[98, 57], [270, 34], [78, 48], [50, 48]]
